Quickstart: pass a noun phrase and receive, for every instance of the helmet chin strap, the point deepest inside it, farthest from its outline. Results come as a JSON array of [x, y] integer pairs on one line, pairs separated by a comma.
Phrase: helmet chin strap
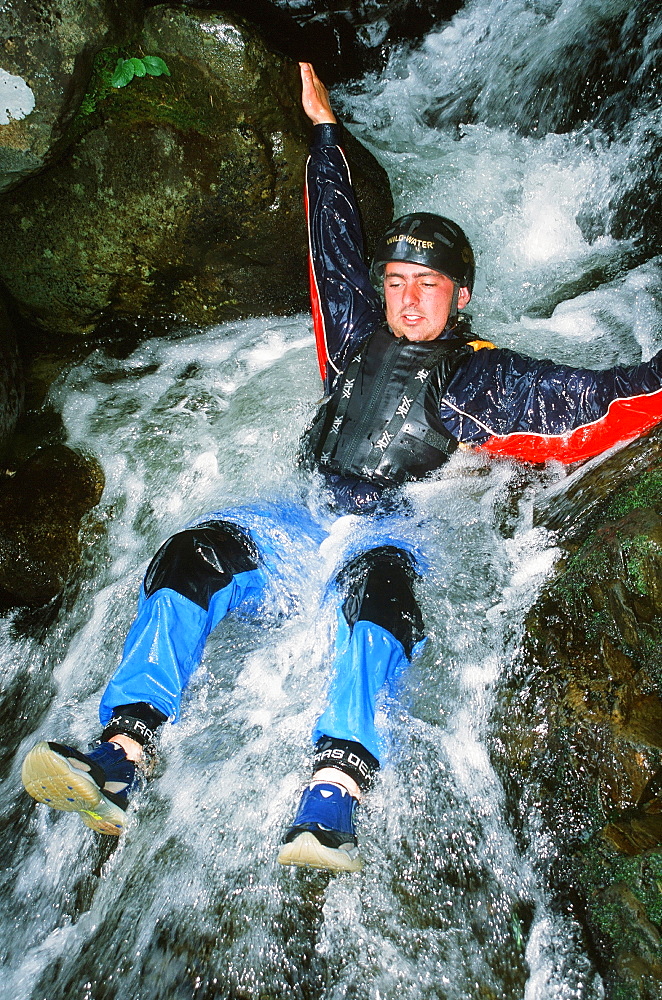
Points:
[[452, 315]]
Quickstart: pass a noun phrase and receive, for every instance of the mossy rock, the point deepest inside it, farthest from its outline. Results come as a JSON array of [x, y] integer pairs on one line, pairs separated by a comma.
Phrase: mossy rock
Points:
[[604, 490], [46, 52], [578, 727], [180, 195], [623, 909]]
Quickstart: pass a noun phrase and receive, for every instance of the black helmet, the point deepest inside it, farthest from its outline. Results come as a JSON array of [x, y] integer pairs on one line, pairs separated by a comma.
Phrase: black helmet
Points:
[[431, 240]]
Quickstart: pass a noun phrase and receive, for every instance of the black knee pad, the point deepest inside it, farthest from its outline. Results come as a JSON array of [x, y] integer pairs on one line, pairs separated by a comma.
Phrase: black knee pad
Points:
[[379, 585], [197, 562]]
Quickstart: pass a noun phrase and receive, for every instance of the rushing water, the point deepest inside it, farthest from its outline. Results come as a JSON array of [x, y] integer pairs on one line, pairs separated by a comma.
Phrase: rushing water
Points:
[[190, 903]]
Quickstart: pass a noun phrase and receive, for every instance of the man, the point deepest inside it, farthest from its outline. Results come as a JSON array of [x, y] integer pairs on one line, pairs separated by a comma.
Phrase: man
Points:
[[405, 385]]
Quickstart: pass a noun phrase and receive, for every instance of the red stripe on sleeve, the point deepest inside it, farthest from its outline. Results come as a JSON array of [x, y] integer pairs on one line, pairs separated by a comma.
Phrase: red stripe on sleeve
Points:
[[624, 420], [315, 305]]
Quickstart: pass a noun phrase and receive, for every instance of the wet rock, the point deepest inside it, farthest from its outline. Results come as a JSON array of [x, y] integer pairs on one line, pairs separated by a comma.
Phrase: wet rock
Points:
[[620, 920], [342, 40], [46, 52], [41, 506], [604, 489], [579, 725], [181, 195], [639, 830], [357, 36], [635, 833], [12, 388], [638, 954]]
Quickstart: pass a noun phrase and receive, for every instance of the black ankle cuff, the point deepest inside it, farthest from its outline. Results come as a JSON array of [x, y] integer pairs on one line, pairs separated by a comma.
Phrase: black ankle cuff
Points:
[[352, 758], [139, 722]]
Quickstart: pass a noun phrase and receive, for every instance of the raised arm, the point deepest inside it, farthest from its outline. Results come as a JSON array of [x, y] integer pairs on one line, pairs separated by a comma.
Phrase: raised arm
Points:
[[345, 306]]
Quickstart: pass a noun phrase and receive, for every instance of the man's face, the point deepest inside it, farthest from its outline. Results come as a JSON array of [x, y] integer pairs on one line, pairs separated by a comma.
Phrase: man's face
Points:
[[418, 300]]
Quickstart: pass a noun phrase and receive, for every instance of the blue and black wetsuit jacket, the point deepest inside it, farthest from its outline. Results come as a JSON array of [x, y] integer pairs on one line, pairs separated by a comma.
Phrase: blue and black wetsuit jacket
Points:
[[475, 395]]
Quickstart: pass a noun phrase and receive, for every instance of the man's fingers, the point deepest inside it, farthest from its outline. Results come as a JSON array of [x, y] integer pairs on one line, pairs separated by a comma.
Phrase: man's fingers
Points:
[[314, 96]]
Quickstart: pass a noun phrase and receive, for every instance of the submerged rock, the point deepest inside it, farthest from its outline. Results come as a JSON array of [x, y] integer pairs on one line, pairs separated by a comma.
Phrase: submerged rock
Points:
[[46, 52], [41, 506], [580, 718], [180, 194]]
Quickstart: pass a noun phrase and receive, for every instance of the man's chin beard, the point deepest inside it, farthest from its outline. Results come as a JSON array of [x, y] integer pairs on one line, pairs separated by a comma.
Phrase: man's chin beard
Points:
[[403, 329], [400, 330], [416, 333]]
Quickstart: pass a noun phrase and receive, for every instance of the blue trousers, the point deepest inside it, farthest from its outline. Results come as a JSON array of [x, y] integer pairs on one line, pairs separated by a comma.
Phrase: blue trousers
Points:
[[231, 560]]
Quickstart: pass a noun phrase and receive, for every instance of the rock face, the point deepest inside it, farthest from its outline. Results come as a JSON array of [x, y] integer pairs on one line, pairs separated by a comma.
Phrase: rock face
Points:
[[40, 511], [175, 196], [580, 719], [12, 392], [179, 194], [345, 40], [46, 52]]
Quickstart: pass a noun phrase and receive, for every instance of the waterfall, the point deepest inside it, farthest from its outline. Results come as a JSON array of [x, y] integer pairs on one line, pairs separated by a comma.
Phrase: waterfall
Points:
[[518, 119]]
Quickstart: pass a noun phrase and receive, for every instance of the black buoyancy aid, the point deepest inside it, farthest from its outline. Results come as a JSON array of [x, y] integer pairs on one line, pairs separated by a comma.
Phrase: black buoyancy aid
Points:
[[381, 422]]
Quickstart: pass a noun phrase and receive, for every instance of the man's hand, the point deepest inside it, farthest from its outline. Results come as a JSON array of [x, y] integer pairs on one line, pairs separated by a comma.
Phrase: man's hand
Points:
[[315, 96]]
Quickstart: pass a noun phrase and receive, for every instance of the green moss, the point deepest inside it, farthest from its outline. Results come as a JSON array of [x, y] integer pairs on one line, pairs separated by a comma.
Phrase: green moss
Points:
[[599, 623], [640, 552], [159, 106], [148, 98], [592, 565], [100, 82], [625, 991], [642, 875], [650, 650], [644, 491], [588, 563]]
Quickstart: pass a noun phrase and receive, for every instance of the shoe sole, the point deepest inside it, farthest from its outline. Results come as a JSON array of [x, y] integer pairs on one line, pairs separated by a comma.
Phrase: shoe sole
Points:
[[306, 851], [49, 778]]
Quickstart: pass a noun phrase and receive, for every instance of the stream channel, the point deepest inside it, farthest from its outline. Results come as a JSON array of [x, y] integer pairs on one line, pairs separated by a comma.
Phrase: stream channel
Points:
[[480, 123]]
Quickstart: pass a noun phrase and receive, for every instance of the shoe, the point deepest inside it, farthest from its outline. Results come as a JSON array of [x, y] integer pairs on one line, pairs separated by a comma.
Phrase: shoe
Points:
[[96, 784], [322, 835]]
